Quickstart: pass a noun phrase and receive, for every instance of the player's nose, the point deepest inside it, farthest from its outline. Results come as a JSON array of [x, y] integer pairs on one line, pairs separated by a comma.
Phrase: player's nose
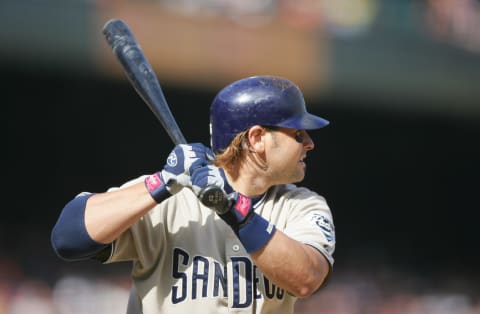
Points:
[[308, 143]]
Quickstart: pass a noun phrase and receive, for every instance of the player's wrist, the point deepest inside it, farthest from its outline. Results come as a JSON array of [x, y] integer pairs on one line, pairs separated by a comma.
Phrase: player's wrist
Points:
[[255, 233], [157, 188], [252, 230]]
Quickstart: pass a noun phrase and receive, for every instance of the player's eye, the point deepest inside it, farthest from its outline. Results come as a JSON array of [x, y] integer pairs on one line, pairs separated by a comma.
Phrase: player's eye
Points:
[[298, 136]]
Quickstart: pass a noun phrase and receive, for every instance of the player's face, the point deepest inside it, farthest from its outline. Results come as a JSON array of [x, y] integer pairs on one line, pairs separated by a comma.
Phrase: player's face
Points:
[[285, 152]]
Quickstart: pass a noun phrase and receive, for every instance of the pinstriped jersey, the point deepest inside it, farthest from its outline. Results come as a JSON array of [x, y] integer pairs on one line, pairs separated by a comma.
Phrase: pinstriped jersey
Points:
[[188, 260]]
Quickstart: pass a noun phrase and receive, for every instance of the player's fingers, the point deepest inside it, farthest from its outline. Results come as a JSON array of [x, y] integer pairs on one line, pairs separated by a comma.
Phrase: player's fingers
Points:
[[196, 155], [218, 172], [196, 164], [199, 179], [203, 151]]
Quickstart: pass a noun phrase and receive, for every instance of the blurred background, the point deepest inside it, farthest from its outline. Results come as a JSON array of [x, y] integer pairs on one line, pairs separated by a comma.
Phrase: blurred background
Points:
[[399, 164]]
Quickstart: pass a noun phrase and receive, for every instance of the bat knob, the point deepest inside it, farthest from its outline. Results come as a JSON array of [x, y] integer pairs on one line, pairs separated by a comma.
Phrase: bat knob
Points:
[[214, 198]]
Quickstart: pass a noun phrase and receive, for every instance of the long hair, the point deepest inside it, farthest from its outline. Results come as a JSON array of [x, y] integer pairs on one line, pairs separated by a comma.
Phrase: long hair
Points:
[[231, 156], [236, 153]]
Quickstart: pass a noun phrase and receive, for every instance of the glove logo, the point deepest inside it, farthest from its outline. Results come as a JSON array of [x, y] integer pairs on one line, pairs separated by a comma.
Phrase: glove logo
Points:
[[243, 205], [153, 182], [172, 159]]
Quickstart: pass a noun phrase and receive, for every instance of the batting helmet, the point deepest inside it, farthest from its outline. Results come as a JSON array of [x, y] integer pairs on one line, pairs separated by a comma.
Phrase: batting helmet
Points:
[[258, 100]]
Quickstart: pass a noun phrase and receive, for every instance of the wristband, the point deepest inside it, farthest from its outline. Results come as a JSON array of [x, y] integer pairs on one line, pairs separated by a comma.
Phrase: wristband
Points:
[[156, 187], [255, 233]]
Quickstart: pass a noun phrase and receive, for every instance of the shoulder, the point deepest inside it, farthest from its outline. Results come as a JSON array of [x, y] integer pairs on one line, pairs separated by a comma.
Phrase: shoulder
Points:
[[289, 203], [299, 204], [303, 215], [295, 194]]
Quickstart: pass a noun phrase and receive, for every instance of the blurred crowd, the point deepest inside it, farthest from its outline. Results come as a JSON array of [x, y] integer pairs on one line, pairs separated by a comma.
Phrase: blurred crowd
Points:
[[353, 292], [67, 294], [393, 293], [454, 21]]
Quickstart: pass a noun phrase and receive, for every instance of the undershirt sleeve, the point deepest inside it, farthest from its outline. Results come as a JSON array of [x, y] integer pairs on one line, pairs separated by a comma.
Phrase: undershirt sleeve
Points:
[[70, 239]]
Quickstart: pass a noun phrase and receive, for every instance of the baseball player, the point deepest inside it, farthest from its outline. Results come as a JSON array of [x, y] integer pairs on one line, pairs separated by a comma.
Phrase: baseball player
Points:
[[272, 244]]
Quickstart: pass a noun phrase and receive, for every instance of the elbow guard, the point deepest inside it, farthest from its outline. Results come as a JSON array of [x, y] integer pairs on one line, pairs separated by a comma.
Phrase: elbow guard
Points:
[[69, 238]]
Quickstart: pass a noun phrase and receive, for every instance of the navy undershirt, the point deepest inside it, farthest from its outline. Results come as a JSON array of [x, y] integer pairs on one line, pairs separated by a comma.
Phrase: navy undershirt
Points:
[[70, 239]]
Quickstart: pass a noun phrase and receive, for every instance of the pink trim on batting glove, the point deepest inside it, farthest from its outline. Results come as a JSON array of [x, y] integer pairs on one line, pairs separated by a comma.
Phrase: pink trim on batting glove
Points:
[[156, 187]]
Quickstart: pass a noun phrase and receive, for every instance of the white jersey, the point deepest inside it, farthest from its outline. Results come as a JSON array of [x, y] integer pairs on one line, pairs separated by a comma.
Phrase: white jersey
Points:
[[188, 260]]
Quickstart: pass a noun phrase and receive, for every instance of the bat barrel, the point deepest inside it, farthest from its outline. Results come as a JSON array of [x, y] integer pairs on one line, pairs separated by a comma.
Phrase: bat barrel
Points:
[[141, 75], [118, 34]]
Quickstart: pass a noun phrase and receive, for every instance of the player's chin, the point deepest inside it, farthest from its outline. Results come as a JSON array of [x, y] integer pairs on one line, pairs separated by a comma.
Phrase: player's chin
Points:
[[303, 167], [299, 175]]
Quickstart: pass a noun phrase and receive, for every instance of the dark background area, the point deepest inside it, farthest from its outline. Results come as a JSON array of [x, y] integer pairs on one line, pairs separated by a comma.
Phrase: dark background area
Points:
[[402, 186]]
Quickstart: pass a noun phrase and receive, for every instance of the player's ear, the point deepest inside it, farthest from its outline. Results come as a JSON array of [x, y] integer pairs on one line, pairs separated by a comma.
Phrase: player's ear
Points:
[[256, 138]]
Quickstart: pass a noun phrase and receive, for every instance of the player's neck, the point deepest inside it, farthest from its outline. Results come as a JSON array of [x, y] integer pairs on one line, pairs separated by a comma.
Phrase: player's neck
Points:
[[249, 183]]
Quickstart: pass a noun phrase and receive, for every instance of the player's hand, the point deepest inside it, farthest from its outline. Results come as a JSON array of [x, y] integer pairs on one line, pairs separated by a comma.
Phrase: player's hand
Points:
[[175, 175], [252, 230], [209, 175], [181, 162]]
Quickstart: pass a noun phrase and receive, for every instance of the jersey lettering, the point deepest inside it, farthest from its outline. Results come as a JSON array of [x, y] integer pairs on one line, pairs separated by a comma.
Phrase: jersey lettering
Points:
[[199, 275], [237, 263], [202, 277], [179, 294], [256, 280], [220, 278], [271, 290]]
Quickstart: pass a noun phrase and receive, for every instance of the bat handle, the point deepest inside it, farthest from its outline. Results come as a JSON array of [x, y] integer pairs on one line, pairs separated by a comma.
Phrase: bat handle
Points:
[[215, 198]]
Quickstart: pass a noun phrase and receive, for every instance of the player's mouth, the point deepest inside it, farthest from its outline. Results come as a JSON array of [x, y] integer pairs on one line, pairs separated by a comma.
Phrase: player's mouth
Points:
[[302, 160]]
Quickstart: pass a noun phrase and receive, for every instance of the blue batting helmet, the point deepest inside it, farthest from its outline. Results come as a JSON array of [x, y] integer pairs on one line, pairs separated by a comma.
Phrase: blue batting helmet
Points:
[[258, 100]]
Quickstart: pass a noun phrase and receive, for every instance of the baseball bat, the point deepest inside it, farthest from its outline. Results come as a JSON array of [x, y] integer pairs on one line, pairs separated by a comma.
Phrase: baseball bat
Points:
[[143, 78], [215, 198], [141, 75]]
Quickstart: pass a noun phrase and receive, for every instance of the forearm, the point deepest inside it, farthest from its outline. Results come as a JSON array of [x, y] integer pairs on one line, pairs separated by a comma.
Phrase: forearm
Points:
[[108, 215], [294, 266]]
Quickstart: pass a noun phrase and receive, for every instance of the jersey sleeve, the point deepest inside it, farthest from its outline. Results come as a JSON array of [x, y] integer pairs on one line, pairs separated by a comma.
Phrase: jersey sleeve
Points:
[[310, 221]]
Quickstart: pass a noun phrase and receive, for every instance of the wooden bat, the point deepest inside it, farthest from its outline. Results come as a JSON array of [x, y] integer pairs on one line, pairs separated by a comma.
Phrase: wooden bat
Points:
[[141, 75], [143, 78]]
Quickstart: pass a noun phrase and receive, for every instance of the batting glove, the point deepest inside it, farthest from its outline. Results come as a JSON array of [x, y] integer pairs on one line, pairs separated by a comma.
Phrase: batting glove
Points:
[[175, 175], [209, 175], [252, 230]]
